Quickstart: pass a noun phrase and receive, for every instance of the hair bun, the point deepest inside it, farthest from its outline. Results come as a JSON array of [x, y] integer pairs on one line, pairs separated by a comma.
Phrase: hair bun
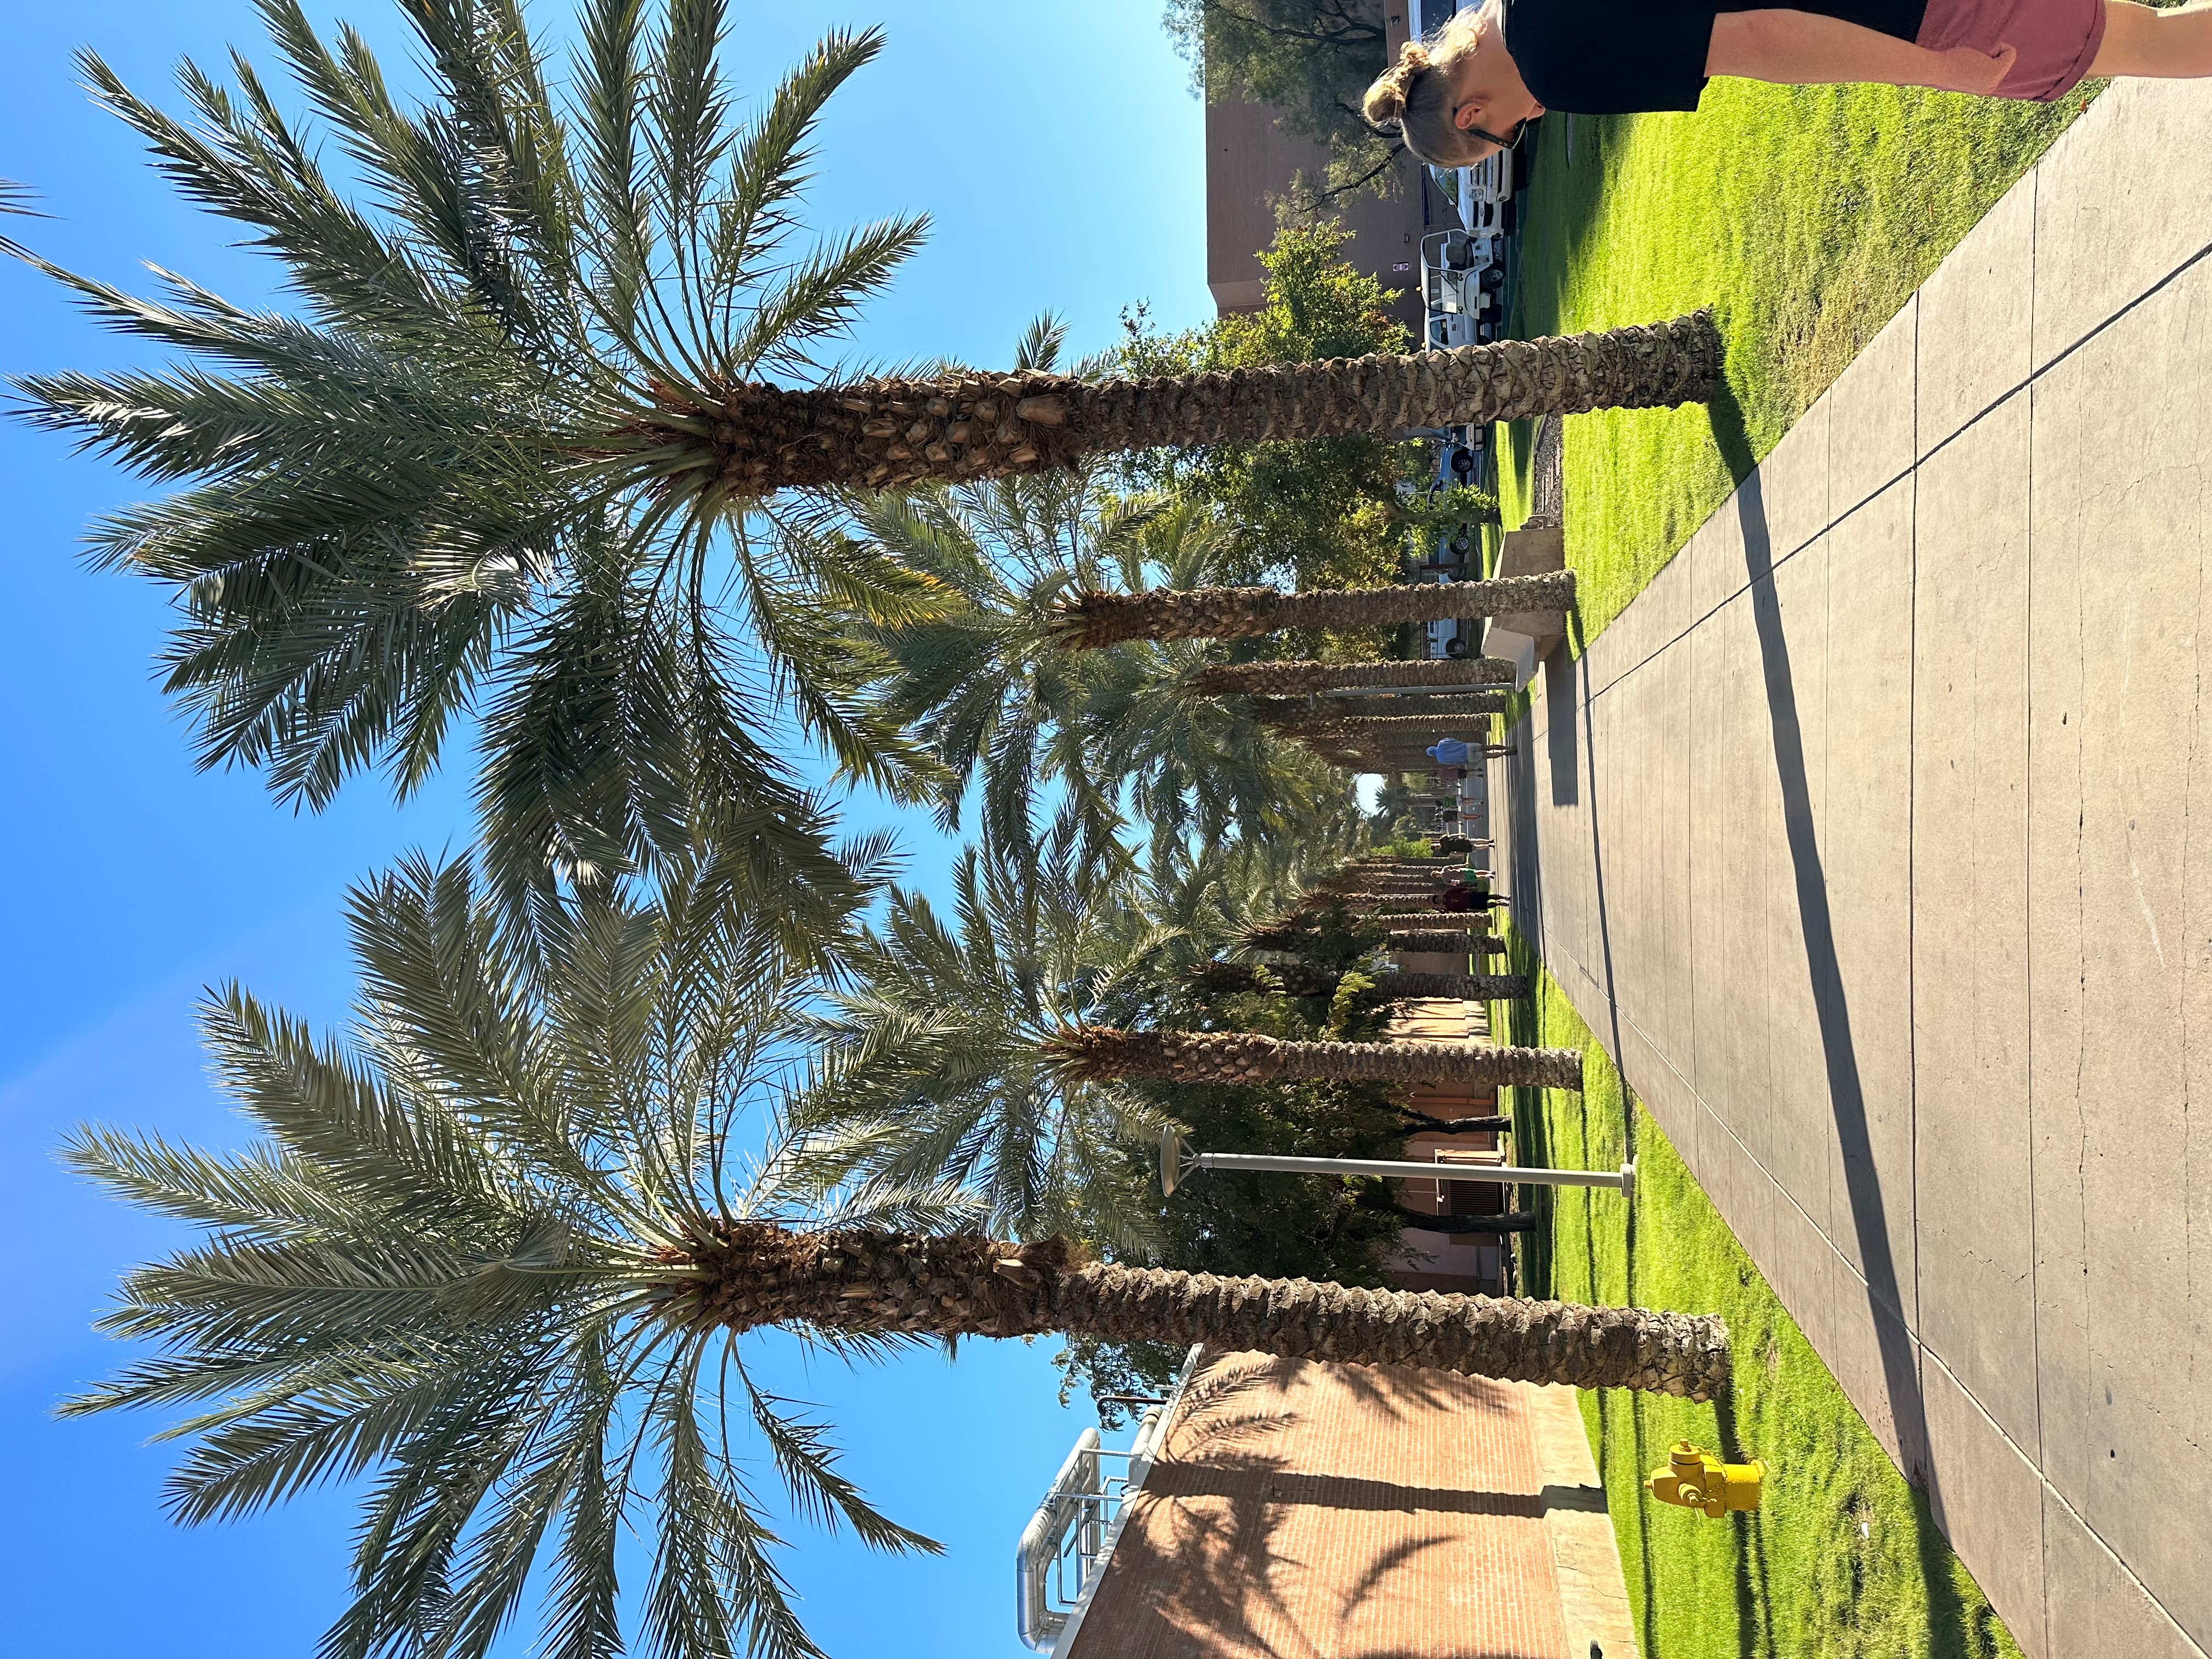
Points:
[[1385, 102]]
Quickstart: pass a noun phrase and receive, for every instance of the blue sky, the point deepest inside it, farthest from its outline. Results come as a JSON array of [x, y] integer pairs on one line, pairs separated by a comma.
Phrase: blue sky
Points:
[[1059, 150]]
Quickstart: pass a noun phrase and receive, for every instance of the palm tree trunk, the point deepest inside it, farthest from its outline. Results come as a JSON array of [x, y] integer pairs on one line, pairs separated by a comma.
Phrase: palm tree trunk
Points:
[[1420, 941], [896, 434], [1088, 621], [1428, 717], [1422, 1123], [963, 1285], [1103, 1054], [1386, 728], [1297, 679], [1304, 982], [1379, 879]]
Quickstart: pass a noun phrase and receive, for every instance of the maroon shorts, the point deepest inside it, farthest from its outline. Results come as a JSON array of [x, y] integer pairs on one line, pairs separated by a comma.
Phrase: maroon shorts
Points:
[[2057, 40]]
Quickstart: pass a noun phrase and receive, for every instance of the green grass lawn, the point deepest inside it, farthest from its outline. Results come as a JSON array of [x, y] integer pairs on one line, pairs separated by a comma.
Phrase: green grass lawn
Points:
[[1804, 215], [1842, 1561]]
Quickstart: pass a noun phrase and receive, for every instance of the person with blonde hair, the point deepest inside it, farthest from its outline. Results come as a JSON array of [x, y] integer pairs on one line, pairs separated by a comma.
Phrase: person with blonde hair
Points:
[[1471, 88]]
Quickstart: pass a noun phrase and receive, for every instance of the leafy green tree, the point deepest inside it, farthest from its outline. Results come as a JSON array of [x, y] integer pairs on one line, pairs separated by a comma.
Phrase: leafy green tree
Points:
[[1312, 60], [1325, 513]]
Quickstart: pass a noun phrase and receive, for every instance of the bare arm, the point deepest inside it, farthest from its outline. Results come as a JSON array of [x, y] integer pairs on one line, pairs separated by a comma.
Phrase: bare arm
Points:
[[1800, 48]]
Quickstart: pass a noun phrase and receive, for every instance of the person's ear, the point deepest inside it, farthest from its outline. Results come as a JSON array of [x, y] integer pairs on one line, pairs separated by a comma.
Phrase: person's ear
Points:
[[1466, 115]]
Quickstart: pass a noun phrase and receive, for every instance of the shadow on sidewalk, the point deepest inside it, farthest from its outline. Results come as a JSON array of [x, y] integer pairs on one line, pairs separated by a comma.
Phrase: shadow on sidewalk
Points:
[[1846, 1090]]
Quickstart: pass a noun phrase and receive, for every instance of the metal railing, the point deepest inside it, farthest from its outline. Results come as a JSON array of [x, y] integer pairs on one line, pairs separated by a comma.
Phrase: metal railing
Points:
[[1065, 1541], [1068, 1541]]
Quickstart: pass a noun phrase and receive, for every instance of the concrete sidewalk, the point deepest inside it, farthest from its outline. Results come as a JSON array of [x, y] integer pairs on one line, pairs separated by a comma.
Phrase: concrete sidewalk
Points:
[[1876, 840]]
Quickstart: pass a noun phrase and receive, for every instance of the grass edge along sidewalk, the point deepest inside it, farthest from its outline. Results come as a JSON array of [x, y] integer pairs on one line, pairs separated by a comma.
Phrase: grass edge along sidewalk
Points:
[[1805, 216], [1844, 1557]]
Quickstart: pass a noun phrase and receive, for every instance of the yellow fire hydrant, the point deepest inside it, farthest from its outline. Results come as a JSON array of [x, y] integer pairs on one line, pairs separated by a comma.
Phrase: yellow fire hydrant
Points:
[[1695, 1479]]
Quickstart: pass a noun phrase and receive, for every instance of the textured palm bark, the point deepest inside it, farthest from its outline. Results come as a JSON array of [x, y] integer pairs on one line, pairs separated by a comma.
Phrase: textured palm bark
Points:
[[1299, 680], [1387, 729], [1507, 1338], [751, 440], [753, 1274], [1103, 1055], [1381, 879], [1386, 904], [1089, 621], [1304, 982], [1381, 717], [1444, 932], [1422, 941]]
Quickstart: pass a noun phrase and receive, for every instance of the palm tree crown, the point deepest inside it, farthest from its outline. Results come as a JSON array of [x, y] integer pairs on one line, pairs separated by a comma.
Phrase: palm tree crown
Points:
[[457, 1260], [412, 496]]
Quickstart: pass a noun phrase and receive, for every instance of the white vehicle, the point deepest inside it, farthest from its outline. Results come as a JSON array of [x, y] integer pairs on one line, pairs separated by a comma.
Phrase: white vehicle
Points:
[[1448, 637], [1486, 195], [1462, 286]]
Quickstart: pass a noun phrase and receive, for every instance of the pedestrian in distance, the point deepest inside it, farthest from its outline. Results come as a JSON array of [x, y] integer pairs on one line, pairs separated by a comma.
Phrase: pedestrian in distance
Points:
[[1471, 87]]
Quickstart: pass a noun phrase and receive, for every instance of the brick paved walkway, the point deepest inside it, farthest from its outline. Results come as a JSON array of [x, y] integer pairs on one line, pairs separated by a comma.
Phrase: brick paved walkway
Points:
[[1872, 840], [1307, 1511]]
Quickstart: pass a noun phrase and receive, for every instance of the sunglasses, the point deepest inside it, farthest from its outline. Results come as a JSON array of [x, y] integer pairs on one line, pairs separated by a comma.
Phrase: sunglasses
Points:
[[1511, 142]]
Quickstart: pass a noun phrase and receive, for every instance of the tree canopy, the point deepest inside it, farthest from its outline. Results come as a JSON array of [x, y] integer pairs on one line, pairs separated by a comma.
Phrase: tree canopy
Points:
[[1309, 59], [1320, 515]]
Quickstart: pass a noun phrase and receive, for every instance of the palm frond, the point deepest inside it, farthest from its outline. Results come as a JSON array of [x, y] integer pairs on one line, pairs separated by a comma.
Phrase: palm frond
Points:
[[445, 1267], [414, 492]]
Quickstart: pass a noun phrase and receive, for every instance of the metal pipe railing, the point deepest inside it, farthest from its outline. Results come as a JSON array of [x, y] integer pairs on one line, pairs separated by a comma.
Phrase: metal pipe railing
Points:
[[1175, 1161]]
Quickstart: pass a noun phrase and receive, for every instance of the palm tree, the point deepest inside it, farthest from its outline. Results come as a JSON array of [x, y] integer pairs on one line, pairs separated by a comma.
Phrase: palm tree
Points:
[[1304, 982], [985, 690], [1090, 621], [938, 1036], [1297, 679], [1299, 714], [1374, 879], [737, 435], [1441, 939], [1441, 933], [500, 1258], [430, 490], [554, 352], [1388, 729], [1102, 1054]]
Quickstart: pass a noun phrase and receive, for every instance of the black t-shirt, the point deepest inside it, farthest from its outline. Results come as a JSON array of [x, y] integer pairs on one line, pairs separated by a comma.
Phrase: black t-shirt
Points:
[[1621, 57]]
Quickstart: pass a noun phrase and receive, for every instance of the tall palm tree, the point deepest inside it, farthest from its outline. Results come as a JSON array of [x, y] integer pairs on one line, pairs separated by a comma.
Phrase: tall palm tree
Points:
[[744, 437], [1442, 940], [1389, 729], [1296, 679], [498, 1258], [1102, 1054], [1112, 732], [1440, 932], [1090, 621], [553, 352], [1303, 981], [939, 1035], [426, 488], [1300, 714]]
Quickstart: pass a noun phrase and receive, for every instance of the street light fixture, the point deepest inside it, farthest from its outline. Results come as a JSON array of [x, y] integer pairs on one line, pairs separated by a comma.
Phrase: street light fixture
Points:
[[1177, 1160]]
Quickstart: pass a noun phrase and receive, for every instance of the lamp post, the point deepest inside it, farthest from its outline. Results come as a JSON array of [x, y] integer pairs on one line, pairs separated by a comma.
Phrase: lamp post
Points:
[[1176, 1161]]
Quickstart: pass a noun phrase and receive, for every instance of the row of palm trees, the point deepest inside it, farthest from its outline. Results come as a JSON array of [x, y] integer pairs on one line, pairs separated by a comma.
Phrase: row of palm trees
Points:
[[551, 436]]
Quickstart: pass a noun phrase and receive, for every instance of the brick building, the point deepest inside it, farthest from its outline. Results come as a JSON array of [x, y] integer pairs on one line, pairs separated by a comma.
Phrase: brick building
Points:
[[1250, 163]]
